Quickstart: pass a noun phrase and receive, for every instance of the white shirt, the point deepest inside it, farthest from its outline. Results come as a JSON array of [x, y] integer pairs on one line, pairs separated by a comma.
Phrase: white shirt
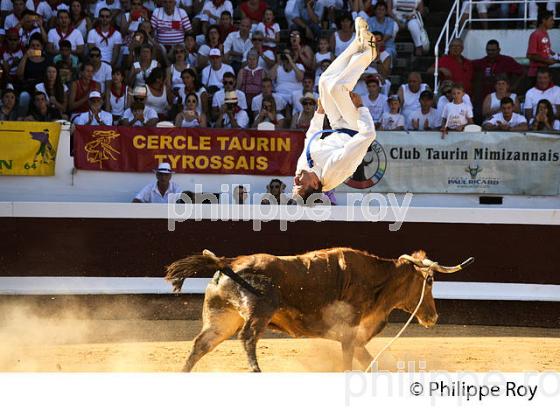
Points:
[[149, 114], [8, 5], [220, 97], [106, 47], [241, 118], [534, 95], [270, 33], [443, 101], [104, 116], [45, 10], [75, 38], [432, 116], [261, 62], [376, 107], [256, 103], [102, 75], [456, 114], [150, 193], [234, 42], [103, 5], [215, 11], [515, 120], [336, 157], [296, 103], [391, 122], [212, 77]]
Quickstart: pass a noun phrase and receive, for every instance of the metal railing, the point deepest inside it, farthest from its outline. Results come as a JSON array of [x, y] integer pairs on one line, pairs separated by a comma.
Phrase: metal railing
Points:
[[457, 22]]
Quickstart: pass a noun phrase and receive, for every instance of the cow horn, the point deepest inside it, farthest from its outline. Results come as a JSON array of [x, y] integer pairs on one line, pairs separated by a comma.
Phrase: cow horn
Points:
[[415, 261], [451, 269]]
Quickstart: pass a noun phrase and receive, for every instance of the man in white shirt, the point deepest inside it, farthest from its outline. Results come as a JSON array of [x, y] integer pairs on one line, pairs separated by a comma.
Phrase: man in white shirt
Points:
[[229, 86], [113, 5], [544, 89], [95, 115], [426, 118], [106, 38], [48, 9], [326, 163], [213, 74], [170, 23], [238, 43], [64, 31], [102, 72], [256, 103], [308, 84], [162, 191], [13, 19], [506, 120], [212, 11], [139, 115], [230, 114], [375, 102]]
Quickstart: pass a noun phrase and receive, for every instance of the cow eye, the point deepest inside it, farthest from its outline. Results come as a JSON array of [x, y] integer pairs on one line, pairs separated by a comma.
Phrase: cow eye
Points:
[[430, 280]]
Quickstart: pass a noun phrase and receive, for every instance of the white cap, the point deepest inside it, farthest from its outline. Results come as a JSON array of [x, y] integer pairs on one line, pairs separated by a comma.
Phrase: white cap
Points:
[[164, 168], [94, 94], [139, 91], [215, 52]]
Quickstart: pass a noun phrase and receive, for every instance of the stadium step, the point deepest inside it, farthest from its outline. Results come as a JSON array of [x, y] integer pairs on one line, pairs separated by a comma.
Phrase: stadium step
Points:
[[404, 48]]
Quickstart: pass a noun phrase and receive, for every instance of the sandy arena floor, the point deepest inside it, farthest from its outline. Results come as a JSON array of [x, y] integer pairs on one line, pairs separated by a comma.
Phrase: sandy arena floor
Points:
[[152, 346]]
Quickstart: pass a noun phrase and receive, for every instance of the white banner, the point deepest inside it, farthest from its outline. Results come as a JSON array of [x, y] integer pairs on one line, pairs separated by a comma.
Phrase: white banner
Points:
[[482, 162]]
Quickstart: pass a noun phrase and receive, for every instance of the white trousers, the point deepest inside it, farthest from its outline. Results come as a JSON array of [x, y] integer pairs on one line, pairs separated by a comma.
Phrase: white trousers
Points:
[[338, 80]]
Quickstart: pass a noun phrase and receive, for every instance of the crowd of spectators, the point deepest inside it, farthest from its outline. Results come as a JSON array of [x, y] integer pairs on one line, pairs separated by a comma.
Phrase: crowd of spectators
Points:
[[223, 64]]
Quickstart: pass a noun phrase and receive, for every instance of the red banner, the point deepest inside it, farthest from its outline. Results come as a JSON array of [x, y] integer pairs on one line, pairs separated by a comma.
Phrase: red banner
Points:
[[188, 150]]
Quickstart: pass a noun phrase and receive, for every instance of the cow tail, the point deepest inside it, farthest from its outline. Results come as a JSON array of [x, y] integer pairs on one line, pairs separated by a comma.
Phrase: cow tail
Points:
[[202, 266]]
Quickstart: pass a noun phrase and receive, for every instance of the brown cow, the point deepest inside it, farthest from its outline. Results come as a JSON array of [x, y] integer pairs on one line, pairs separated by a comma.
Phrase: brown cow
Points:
[[340, 293]]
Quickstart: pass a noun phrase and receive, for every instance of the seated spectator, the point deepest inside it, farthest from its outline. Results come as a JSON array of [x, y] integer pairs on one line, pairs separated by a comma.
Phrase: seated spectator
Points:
[[308, 16], [30, 24], [212, 41], [345, 34], [265, 58], [457, 113], [275, 193], [492, 101], [116, 96], [302, 120], [308, 86], [544, 118], [54, 90], [404, 12], [374, 101], [41, 110], [65, 54], [219, 98], [237, 44], [189, 117], [230, 114], [102, 71], [324, 52], [193, 57], [95, 115], [507, 119], [81, 89], [159, 96], [213, 74], [113, 6], [389, 28], [543, 89], [14, 19], [159, 192], [131, 20], [253, 10], [268, 113], [11, 54], [178, 64], [446, 96], [8, 111], [320, 70], [270, 30], [139, 115], [142, 69], [301, 53], [409, 95], [384, 60], [267, 90], [250, 77], [426, 118], [455, 67], [79, 19], [225, 27], [106, 37], [31, 70], [170, 23], [64, 31], [287, 75], [211, 12], [65, 73], [392, 120], [191, 85]]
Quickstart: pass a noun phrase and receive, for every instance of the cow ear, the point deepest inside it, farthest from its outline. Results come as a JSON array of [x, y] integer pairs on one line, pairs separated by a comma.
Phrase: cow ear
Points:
[[419, 254]]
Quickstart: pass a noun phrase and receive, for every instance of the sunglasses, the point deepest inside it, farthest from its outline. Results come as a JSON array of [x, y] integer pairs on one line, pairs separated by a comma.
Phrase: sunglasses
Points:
[[228, 82]]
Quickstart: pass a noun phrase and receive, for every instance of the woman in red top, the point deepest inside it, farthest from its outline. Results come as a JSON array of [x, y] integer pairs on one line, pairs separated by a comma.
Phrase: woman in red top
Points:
[[78, 101], [254, 10]]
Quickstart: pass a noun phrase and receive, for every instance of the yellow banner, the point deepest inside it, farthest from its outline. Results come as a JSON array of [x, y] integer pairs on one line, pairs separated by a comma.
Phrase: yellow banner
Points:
[[28, 148]]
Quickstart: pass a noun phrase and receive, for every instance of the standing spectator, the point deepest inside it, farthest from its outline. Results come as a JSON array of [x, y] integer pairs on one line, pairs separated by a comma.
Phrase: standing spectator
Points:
[[64, 31], [170, 24], [250, 77], [487, 69], [189, 117], [81, 89], [142, 68], [106, 37], [55, 91], [544, 120], [12, 53], [302, 54], [544, 89], [94, 115], [237, 43], [265, 58], [456, 114], [192, 85], [268, 113], [492, 102], [231, 115], [270, 29], [226, 25], [212, 11], [139, 115], [117, 95], [101, 70], [79, 19], [539, 50], [374, 101], [409, 95], [218, 100], [8, 111], [287, 74], [308, 84], [212, 75], [253, 10], [31, 70], [404, 12], [267, 91], [302, 120], [426, 117], [392, 120], [455, 67], [161, 191], [41, 110], [506, 120], [385, 25], [344, 35], [159, 96]]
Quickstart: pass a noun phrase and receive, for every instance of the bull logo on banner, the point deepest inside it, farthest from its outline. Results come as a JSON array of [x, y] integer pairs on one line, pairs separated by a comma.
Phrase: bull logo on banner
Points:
[[99, 149], [371, 170]]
